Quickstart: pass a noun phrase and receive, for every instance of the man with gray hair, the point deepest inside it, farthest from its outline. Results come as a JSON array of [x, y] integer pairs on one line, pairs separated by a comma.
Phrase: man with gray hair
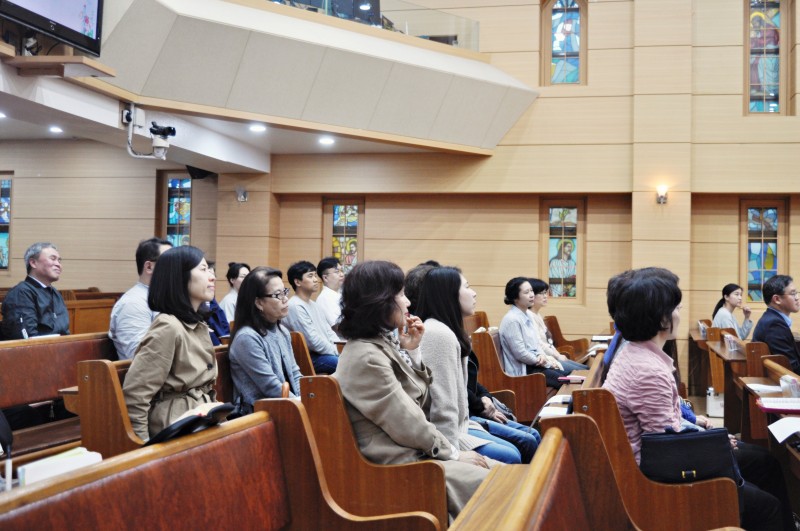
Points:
[[34, 307]]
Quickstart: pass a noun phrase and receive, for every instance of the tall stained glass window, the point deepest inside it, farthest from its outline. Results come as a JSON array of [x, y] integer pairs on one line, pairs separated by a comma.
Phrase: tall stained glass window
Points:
[[765, 55], [762, 249], [566, 33], [5, 221], [345, 232], [562, 251], [179, 211]]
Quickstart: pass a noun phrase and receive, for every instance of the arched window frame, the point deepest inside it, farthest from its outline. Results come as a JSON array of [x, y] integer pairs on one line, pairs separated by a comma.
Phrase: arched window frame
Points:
[[785, 31], [546, 32]]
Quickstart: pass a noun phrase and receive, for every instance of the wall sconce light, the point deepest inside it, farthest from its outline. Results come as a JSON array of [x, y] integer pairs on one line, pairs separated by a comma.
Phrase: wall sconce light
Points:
[[661, 194], [241, 194]]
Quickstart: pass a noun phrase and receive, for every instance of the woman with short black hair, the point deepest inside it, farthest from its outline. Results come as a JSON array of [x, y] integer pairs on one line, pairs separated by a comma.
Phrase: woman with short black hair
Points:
[[647, 313], [261, 350], [386, 385], [174, 368], [722, 315]]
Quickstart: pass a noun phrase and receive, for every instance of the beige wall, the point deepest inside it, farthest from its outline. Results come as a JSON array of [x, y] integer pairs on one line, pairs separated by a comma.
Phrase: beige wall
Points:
[[93, 201]]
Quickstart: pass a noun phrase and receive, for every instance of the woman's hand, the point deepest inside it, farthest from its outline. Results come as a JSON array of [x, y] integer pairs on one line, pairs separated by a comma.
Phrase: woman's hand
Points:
[[734, 442], [703, 422], [473, 458], [491, 412], [747, 311], [411, 334]]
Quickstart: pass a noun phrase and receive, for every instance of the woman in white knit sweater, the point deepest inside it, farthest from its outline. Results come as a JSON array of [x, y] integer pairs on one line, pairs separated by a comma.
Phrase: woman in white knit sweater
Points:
[[723, 313]]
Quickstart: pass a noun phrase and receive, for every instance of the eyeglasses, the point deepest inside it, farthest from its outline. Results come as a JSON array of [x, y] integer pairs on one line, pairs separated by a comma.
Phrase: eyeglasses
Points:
[[792, 294], [284, 293]]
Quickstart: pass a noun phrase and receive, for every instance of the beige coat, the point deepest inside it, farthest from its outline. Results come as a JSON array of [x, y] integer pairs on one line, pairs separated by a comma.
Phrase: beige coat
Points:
[[173, 371], [387, 402]]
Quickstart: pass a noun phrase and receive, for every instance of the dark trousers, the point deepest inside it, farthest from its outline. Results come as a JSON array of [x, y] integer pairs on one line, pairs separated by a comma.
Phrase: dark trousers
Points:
[[763, 501]]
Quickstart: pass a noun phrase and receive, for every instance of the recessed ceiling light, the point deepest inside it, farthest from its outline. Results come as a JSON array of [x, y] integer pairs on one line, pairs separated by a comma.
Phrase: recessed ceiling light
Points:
[[327, 141], [56, 129], [2, 115], [258, 128]]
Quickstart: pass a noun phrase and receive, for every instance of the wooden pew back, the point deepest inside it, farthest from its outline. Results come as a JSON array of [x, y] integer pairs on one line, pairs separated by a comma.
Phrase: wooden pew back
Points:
[[33, 370], [477, 320], [357, 485], [696, 506], [776, 366], [557, 491], [302, 355], [89, 316], [579, 346], [530, 391], [270, 466]]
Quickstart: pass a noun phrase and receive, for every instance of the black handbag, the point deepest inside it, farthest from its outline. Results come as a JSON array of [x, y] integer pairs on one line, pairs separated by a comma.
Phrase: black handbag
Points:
[[689, 455]]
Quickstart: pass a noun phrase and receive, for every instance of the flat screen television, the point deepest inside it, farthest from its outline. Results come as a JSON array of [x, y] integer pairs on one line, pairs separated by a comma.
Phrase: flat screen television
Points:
[[73, 22]]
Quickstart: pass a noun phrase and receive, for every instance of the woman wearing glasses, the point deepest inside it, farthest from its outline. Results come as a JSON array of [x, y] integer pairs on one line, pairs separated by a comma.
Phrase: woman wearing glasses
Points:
[[261, 350]]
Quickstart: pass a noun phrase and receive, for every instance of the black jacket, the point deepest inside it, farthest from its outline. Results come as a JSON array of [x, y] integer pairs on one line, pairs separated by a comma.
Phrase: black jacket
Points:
[[37, 309]]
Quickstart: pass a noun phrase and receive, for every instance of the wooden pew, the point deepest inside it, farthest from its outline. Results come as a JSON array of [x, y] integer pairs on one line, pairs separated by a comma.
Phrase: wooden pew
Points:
[[530, 390], [267, 466], [579, 346], [559, 490], [357, 485], [302, 355], [89, 316], [94, 295], [477, 320], [34, 370], [105, 425], [653, 506]]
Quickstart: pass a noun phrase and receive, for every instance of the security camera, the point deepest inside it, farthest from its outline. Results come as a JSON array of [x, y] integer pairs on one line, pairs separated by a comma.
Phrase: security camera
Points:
[[162, 131], [160, 147], [134, 117]]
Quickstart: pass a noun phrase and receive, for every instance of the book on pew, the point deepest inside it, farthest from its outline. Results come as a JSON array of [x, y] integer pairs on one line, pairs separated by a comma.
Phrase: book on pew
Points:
[[57, 464], [572, 378], [196, 419], [785, 428], [779, 405]]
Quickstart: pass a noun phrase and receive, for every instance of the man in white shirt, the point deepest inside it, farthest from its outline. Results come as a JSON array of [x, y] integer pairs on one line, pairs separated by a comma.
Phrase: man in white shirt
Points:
[[306, 317], [131, 315], [236, 273], [329, 300]]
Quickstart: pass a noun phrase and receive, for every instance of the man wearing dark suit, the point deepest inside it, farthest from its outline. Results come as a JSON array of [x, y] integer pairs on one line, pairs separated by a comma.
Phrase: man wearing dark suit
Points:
[[774, 327]]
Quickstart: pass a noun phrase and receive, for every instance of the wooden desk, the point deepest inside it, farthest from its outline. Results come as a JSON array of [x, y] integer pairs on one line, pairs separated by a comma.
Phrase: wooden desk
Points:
[[699, 374], [735, 364], [754, 421]]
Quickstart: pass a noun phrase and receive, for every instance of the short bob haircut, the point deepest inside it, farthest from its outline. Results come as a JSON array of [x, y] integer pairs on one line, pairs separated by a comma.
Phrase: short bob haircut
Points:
[[438, 299], [297, 270], [775, 286], [512, 289], [645, 300], [329, 262], [539, 286], [147, 251], [233, 271], [254, 286], [368, 299], [169, 288], [413, 284]]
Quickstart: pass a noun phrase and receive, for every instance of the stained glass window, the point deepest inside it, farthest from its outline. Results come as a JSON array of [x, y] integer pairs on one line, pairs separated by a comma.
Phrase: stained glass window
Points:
[[565, 42], [762, 249], [5, 221], [344, 241], [562, 251], [765, 56], [179, 211]]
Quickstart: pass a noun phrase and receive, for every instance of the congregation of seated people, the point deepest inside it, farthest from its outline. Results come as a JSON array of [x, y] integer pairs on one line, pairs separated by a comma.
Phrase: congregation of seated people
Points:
[[408, 375]]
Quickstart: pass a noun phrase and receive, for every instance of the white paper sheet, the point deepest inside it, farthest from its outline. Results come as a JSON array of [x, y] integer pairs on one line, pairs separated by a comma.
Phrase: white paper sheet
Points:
[[785, 428], [762, 388]]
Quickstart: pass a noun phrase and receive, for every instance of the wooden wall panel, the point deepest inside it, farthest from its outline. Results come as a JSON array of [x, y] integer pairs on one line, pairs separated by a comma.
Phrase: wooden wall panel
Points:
[[662, 70], [295, 249], [715, 218], [502, 217], [652, 221], [745, 168], [720, 119], [662, 164], [604, 260], [672, 255], [204, 236], [712, 263], [662, 118], [718, 23], [603, 120], [522, 65], [592, 168], [611, 25], [794, 219], [251, 218], [658, 23], [90, 197], [300, 217], [252, 182], [253, 250], [718, 70], [108, 275], [504, 28], [608, 218]]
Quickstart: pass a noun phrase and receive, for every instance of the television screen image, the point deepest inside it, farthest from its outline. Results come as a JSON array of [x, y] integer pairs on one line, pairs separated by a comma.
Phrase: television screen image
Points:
[[74, 22]]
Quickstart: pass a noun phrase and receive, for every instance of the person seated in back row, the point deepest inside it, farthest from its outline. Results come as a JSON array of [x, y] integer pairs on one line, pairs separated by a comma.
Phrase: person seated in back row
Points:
[[236, 273], [774, 327], [305, 317], [329, 299], [34, 307], [131, 315]]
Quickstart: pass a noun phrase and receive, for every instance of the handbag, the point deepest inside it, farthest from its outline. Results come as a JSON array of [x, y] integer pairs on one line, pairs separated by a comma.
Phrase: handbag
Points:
[[689, 455], [504, 409]]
